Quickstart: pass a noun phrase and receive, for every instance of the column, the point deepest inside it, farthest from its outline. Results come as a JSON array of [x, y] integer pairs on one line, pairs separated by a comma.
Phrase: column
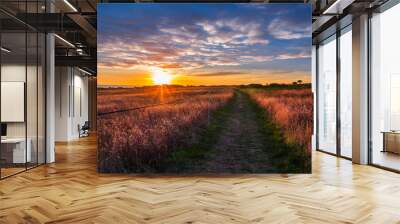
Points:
[[360, 90]]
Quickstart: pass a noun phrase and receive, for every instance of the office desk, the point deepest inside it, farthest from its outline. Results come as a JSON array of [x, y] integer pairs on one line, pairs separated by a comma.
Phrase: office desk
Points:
[[391, 141], [16, 147]]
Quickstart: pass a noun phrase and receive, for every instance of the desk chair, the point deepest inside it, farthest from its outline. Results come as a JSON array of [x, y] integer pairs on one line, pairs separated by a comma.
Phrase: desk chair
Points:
[[84, 130]]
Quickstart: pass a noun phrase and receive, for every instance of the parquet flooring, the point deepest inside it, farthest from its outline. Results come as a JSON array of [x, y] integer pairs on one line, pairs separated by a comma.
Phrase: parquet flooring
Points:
[[71, 191]]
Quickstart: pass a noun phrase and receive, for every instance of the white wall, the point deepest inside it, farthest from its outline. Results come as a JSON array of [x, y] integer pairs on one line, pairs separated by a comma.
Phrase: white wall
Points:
[[314, 90], [71, 87], [33, 126], [14, 73], [62, 82], [13, 101], [81, 94]]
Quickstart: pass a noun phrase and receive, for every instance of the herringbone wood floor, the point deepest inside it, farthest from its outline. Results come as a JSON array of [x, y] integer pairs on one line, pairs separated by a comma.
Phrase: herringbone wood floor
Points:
[[71, 191]]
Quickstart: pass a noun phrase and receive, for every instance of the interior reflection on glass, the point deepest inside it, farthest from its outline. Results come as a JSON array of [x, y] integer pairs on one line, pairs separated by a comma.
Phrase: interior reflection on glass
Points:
[[327, 97], [385, 89], [22, 88], [346, 93]]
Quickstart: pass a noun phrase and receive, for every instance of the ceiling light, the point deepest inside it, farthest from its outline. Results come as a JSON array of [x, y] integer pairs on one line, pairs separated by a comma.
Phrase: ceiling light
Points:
[[5, 50], [79, 51], [337, 7], [84, 71], [331, 7], [70, 5], [64, 40]]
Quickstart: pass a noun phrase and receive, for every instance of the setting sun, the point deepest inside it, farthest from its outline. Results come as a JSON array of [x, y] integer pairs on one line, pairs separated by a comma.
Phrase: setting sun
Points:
[[160, 77]]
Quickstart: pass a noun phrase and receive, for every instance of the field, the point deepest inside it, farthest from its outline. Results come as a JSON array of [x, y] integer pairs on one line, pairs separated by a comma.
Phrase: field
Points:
[[153, 122], [291, 110], [174, 129]]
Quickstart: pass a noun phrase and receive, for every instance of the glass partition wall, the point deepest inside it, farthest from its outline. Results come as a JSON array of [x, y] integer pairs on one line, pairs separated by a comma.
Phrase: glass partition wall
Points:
[[385, 89], [13, 86], [334, 108], [327, 95], [22, 78], [334, 93], [345, 91]]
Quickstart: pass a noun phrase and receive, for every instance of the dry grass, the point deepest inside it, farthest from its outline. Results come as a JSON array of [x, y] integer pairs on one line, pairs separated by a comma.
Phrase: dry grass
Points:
[[111, 99], [138, 140], [291, 110]]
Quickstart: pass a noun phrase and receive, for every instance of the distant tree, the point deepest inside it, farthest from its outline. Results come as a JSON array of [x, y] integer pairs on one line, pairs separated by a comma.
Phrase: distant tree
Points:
[[274, 85], [299, 81], [254, 85], [294, 83]]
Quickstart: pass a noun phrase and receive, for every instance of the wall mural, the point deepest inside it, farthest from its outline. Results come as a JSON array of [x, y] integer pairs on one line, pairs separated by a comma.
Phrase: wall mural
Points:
[[204, 88]]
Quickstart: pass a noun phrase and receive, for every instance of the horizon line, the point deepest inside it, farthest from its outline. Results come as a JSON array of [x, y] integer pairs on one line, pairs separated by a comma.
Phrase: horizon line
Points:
[[180, 85]]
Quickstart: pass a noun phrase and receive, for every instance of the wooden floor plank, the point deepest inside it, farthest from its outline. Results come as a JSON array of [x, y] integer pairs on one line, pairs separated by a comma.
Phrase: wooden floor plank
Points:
[[71, 191]]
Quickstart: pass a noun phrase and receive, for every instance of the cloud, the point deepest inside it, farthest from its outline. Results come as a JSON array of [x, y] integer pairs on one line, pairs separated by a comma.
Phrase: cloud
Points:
[[233, 32], [190, 40], [293, 56], [266, 58], [227, 73], [257, 58], [206, 43], [288, 30]]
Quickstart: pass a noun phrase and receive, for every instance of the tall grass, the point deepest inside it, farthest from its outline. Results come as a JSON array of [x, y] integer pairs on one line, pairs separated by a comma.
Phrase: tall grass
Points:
[[139, 140], [291, 110], [111, 99]]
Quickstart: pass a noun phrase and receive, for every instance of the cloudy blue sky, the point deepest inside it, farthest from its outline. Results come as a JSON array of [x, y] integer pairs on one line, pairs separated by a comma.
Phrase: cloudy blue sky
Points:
[[204, 43]]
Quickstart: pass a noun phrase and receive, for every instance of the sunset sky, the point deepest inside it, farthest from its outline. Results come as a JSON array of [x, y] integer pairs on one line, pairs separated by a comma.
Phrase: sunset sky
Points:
[[203, 44]]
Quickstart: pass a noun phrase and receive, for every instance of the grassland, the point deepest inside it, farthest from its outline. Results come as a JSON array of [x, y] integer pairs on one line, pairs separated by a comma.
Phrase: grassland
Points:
[[205, 129]]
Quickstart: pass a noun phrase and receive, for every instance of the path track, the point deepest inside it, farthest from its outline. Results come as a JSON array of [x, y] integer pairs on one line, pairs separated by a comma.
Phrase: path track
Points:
[[239, 148]]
